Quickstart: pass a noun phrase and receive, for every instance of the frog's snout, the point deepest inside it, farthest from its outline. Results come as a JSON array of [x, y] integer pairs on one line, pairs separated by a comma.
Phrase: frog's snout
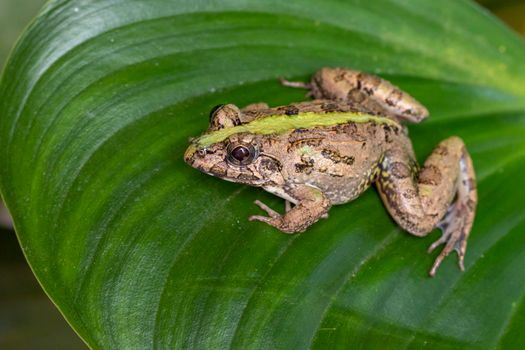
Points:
[[189, 155], [196, 157]]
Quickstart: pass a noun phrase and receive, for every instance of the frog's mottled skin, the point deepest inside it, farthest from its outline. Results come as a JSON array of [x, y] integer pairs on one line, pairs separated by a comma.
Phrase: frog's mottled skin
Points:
[[315, 167]]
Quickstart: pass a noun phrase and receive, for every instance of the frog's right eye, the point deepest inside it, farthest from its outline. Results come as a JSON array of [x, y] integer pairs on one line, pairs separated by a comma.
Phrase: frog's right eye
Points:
[[241, 154]]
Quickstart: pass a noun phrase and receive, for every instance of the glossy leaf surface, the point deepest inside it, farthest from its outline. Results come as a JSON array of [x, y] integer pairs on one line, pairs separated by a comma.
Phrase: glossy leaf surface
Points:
[[138, 250]]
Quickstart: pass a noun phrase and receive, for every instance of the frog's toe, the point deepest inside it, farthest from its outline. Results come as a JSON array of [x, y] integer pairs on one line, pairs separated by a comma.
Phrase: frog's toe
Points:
[[261, 218], [273, 214], [445, 252], [294, 84], [455, 227], [278, 223]]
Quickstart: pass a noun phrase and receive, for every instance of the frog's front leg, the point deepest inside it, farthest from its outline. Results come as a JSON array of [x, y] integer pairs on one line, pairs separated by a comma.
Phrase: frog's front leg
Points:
[[311, 205], [442, 195]]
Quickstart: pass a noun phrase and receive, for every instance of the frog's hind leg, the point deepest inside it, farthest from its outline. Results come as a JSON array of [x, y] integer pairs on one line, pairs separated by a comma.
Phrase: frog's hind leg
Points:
[[459, 217], [369, 91], [289, 206], [442, 195]]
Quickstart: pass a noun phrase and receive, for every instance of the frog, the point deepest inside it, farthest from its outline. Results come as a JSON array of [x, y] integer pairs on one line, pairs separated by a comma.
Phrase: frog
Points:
[[329, 150]]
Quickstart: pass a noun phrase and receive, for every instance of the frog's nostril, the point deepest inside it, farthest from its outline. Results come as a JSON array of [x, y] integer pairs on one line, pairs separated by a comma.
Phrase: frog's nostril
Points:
[[201, 152]]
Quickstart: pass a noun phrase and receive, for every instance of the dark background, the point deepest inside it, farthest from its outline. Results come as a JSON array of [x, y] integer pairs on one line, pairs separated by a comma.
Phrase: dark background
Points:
[[28, 319]]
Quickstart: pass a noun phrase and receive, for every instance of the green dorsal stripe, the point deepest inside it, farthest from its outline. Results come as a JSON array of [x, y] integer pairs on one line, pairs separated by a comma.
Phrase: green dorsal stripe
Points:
[[278, 124]]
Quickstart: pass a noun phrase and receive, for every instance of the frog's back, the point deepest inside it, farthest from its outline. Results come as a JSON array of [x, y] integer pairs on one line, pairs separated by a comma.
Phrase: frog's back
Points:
[[315, 106], [341, 160]]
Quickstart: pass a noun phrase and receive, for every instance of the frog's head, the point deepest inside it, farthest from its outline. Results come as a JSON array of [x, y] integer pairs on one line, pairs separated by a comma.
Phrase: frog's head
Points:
[[225, 153]]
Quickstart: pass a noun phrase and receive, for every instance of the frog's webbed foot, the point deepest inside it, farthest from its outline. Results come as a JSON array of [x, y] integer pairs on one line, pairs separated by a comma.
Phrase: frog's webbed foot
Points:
[[455, 227], [457, 222], [423, 202], [311, 205]]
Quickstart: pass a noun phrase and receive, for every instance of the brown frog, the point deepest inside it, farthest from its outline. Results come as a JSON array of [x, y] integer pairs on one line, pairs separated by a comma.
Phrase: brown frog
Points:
[[329, 150]]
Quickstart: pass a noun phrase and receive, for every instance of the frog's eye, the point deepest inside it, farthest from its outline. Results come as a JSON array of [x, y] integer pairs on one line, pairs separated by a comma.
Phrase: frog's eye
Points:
[[214, 110], [241, 154], [224, 116]]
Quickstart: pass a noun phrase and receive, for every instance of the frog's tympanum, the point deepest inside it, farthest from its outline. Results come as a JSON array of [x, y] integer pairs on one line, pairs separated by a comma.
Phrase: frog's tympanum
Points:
[[329, 150]]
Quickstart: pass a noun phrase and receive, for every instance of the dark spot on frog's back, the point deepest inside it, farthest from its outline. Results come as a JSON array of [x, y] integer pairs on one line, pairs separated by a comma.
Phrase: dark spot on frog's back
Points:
[[353, 131], [271, 165], [372, 129], [305, 166], [388, 133], [298, 143], [336, 157]]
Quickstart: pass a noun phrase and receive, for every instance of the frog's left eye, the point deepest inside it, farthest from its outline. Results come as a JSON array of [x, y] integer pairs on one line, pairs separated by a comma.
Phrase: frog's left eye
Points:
[[241, 154], [214, 110]]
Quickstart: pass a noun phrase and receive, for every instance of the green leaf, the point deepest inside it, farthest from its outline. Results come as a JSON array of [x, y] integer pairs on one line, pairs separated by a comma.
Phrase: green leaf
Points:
[[138, 250]]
